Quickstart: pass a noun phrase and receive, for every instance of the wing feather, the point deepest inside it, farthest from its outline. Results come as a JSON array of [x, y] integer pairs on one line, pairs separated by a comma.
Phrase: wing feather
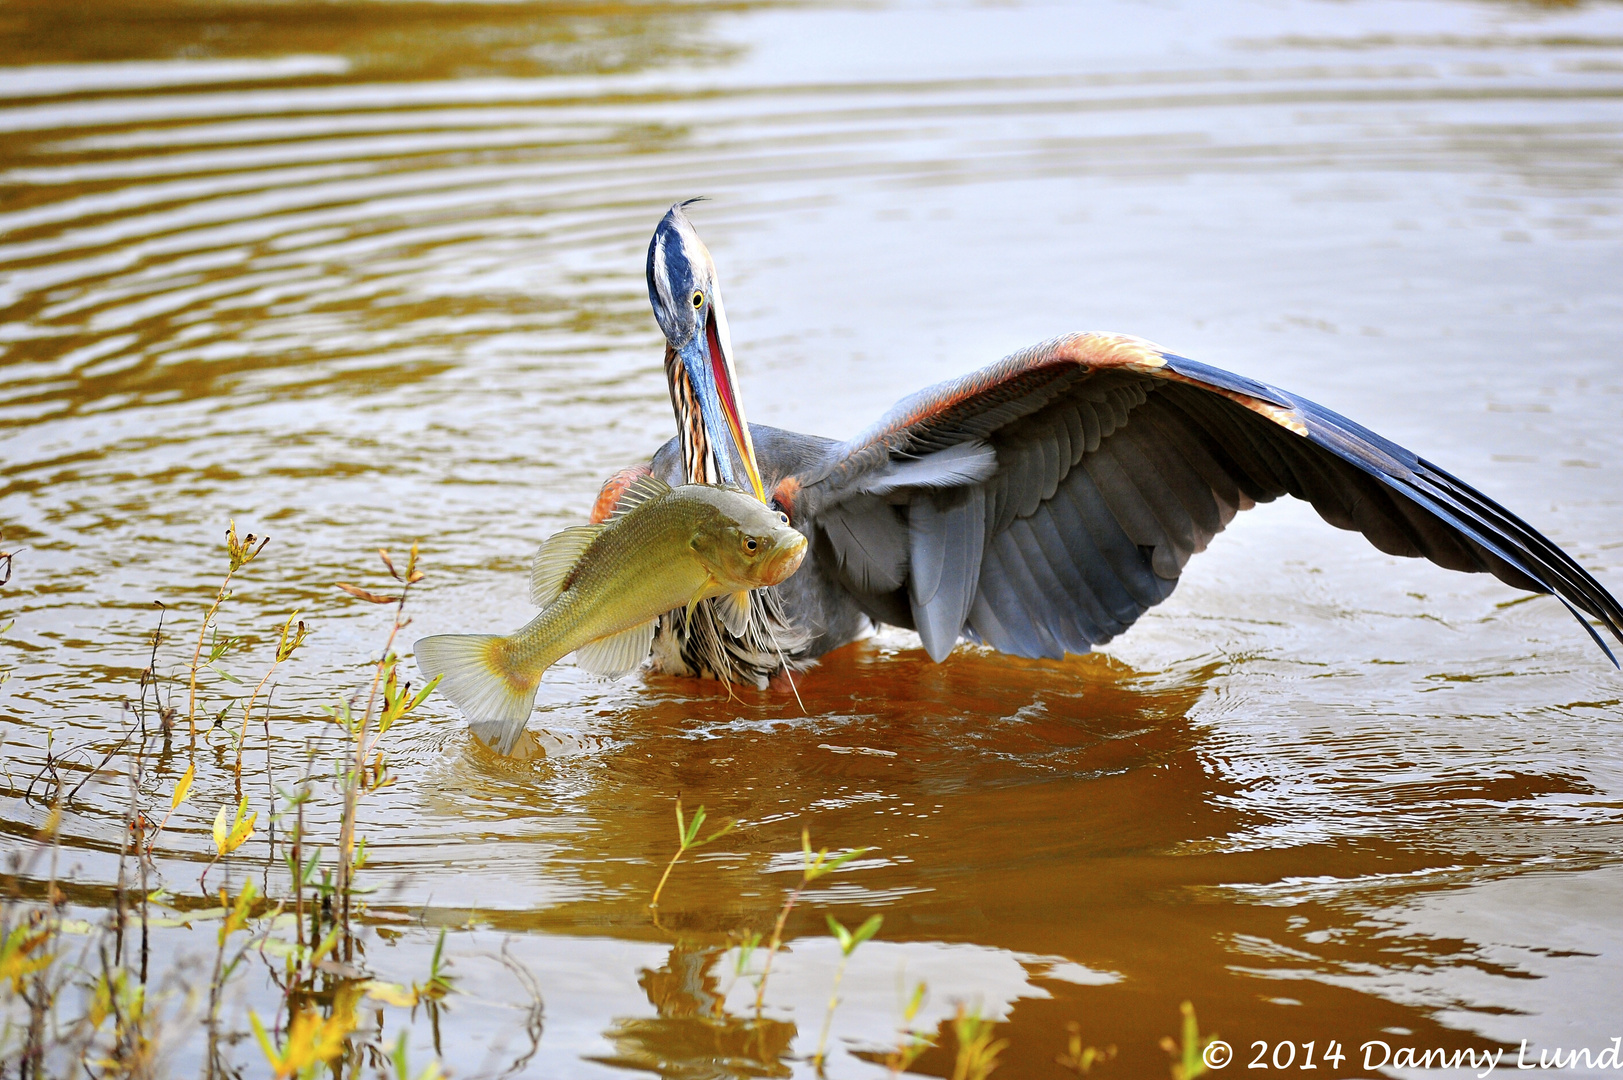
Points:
[[1092, 622], [1044, 503], [870, 542], [1102, 594], [1005, 587], [946, 533]]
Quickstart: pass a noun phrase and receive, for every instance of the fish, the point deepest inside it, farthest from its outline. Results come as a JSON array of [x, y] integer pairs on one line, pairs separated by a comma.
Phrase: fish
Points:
[[601, 589]]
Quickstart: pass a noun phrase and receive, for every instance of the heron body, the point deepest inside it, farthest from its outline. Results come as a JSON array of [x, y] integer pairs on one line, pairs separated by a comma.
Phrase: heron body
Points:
[[1043, 503]]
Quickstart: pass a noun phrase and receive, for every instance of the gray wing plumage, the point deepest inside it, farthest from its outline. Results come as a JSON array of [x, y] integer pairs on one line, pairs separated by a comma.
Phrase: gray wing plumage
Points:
[[1043, 504]]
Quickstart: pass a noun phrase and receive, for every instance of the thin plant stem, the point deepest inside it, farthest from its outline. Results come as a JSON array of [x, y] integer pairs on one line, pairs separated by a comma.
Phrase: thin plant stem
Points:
[[241, 553], [247, 712], [654, 903], [197, 656], [774, 945], [813, 867], [820, 1058], [352, 782], [285, 648]]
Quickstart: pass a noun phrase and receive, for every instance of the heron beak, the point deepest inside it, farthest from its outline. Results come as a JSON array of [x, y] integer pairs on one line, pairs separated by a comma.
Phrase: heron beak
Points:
[[710, 370]]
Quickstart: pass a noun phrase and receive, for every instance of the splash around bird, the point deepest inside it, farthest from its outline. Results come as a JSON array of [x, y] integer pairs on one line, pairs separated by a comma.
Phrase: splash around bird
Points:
[[601, 588]]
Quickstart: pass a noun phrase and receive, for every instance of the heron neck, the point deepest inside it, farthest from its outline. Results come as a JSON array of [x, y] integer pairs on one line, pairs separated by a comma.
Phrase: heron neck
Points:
[[698, 456]]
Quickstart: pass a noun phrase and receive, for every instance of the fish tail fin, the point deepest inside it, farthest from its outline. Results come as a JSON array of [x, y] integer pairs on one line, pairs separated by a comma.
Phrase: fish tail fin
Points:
[[480, 679]]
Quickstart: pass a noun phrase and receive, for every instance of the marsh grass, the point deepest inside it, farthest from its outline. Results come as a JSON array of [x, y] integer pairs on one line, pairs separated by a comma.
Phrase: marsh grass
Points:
[[79, 999]]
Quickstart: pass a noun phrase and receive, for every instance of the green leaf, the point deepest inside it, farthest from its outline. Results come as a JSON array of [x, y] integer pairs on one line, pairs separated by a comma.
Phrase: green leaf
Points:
[[867, 930], [422, 694], [916, 1002], [848, 940], [692, 829]]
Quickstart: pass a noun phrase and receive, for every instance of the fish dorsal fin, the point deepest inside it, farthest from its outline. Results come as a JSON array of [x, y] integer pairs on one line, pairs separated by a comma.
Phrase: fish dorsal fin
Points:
[[617, 654], [555, 558], [638, 492], [734, 609]]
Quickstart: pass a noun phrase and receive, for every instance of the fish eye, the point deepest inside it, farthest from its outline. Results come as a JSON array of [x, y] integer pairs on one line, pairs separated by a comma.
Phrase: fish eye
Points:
[[698, 299], [750, 544], [783, 517]]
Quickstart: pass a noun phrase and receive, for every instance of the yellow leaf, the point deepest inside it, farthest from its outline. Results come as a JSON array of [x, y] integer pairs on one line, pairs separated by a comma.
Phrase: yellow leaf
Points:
[[182, 787], [242, 832], [101, 1004], [222, 828], [390, 993], [20, 955], [229, 834], [311, 1040]]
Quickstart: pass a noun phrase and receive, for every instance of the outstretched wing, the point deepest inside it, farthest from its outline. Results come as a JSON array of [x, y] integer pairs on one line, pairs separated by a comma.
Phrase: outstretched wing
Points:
[[1046, 502]]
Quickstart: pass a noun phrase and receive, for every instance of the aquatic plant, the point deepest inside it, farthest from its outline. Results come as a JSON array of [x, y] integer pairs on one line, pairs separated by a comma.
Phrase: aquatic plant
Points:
[[1187, 1062], [287, 644], [977, 1049], [312, 1041], [812, 868], [236, 918], [849, 940], [369, 770], [113, 1023], [687, 838], [1078, 1058], [239, 553], [910, 1042]]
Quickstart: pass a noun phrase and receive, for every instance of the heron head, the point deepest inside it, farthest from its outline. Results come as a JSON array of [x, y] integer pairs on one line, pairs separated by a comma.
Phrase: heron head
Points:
[[685, 293]]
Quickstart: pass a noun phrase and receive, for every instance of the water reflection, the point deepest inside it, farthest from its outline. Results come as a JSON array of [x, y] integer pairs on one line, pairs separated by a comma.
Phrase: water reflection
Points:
[[693, 1037], [389, 40]]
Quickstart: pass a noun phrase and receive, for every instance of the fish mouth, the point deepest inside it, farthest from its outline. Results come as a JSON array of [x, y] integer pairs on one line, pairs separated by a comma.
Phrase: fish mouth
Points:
[[785, 561]]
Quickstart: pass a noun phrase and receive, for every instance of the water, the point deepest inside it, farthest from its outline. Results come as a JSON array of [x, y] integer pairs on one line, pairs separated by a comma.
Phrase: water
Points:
[[357, 274]]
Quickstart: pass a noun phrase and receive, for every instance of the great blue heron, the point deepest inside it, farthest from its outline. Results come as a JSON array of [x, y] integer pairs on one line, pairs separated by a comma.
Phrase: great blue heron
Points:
[[1039, 505]]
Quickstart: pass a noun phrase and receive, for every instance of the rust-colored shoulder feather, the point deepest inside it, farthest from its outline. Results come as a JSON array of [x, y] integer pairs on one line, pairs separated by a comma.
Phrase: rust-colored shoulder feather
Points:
[[613, 488]]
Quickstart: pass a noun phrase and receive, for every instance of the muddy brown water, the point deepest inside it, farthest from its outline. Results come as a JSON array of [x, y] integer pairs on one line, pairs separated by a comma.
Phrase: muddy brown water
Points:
[[354, 274]]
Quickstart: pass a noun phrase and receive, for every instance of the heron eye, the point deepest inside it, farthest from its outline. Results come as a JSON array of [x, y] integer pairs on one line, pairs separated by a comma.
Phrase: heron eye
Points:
[[750, 544], [698, 299]]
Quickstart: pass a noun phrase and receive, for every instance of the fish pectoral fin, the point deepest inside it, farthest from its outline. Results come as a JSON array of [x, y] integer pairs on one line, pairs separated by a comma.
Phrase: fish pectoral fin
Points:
[[638, 492], [706, 591], [555, 558], [734, 609], [617, 654]]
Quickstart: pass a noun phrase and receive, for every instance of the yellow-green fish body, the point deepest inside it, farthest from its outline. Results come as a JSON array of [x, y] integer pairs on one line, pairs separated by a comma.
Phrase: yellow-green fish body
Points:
[[602, 588]]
